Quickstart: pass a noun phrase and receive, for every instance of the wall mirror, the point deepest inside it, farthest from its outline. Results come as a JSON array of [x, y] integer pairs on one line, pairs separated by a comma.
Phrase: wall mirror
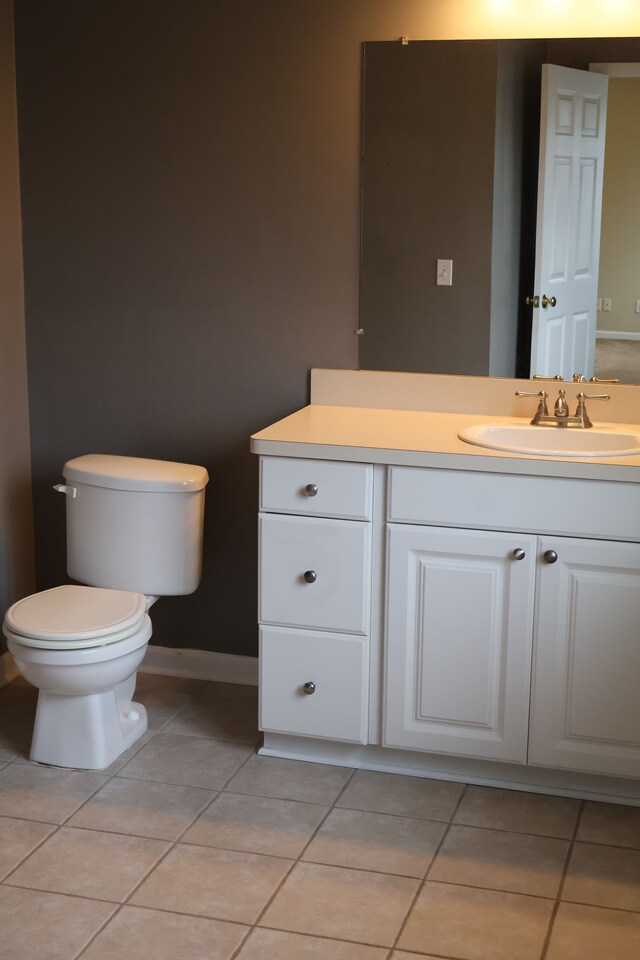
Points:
[[451, 134]]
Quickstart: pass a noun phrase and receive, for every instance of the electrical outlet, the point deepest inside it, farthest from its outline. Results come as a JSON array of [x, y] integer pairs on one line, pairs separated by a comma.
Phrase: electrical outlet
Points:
[[606, 305]]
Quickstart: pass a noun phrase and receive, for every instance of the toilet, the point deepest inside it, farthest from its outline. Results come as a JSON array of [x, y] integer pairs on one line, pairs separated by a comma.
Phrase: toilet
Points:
[[134, 533]]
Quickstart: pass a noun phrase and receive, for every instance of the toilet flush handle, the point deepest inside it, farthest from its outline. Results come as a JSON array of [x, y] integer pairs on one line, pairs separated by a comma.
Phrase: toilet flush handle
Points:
[[65, 488]]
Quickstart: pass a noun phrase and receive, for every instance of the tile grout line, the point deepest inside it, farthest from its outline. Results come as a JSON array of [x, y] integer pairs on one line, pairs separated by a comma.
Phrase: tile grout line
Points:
[[424, 880], [294, 863], [558, 899]]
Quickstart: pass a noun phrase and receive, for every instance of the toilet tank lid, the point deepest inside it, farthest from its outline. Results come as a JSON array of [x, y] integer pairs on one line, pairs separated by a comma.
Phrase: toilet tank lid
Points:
[[135, 473]]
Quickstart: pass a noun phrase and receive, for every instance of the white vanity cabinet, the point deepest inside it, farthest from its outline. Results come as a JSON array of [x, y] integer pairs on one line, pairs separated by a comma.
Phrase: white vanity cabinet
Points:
[[315, 597], [500, 639]]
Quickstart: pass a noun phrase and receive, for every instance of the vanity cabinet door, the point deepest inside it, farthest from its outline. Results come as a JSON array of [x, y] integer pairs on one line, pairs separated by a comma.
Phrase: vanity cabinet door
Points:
[[459, 633], [586, 683]]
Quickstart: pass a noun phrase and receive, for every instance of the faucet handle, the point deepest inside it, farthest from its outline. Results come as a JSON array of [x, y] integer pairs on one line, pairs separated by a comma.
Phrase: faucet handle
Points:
[[581, 397], [542, 410]]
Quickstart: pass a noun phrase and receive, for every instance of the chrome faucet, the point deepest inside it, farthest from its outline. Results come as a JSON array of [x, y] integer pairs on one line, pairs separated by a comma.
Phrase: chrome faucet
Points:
[[561, 416]]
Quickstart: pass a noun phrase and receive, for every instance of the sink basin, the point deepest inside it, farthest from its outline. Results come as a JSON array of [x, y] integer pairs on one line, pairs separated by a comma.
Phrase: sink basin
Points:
[[553, 441]]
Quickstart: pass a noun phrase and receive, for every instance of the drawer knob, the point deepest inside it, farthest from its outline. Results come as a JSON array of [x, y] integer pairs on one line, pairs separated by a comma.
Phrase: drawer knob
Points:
[[550, 556], [311, 489], [518, 554], [309, 687], [310, 576]]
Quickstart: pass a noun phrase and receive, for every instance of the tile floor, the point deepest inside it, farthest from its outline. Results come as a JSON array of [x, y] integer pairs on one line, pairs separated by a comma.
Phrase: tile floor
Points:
[[192, 846]]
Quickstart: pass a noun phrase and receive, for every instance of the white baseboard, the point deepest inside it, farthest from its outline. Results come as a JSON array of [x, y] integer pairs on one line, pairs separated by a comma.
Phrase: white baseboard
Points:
[[201, 665], [173, 662], [616, 335]]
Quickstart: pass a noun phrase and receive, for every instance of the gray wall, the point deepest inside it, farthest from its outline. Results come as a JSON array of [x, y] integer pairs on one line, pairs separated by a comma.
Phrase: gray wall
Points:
[[16, 527], [190, 194]]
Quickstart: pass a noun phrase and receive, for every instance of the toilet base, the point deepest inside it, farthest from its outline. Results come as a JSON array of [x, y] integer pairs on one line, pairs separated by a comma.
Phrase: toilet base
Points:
[[86, 732]]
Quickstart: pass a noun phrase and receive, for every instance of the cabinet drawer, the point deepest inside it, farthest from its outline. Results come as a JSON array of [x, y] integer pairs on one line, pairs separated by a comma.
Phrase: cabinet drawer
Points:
[[603, 509], [335, 556], [336, 666], [316, 487]]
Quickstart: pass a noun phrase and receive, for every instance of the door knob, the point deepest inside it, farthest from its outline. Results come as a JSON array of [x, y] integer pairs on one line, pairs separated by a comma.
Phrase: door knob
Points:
[[532, 301], [548, 301], [550, 556], [309, 576], [518, 554], [311, 489], [309, 687]]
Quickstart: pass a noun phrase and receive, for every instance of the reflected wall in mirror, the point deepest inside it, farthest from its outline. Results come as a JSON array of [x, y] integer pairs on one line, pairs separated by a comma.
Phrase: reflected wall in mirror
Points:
[[450, 165]]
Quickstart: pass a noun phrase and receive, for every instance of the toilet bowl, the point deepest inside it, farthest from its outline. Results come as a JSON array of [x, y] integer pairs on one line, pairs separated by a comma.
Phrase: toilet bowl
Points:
[[81, 647]]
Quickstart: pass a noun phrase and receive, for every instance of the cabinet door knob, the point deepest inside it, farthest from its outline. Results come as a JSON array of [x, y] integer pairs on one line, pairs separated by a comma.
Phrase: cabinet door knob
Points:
[[518, 554], [310, 576], [311, 489], [309, 687], [550, 556]]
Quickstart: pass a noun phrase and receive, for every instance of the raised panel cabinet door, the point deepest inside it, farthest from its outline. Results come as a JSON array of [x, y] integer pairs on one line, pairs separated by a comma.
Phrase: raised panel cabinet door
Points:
[[458, 641], [314, 684], [586, 677], [315, 573]]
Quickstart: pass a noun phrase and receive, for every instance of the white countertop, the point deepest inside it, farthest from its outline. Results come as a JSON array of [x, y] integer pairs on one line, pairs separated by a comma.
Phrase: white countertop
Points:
[[420, 438]]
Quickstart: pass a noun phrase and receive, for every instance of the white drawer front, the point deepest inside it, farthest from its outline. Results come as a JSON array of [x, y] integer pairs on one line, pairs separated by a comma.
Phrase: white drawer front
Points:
[[316, 487], [602, 509], [337, 552], [336, 666]]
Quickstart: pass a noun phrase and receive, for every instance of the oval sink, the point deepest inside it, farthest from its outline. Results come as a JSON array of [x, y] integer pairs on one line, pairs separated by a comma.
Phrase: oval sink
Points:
[[552, 441]]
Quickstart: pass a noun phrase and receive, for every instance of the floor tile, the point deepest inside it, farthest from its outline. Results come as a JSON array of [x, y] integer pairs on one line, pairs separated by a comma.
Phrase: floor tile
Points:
[[274, 945], [290, 780], [47, 926], [141, 934], [591, 933], [501, 861], [346, 904], [518, 812], [404, 796], [142, 808], [603, 876], [190, 761], [210, 714], [209, 882], [610, 823], [17, 839], [162, 705], [49, 794], [88, 863], [376, 841], [471, 924], [280, 828], [129, 754]]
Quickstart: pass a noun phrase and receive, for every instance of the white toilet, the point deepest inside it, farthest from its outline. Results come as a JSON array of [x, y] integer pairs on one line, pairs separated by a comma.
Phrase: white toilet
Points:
[[134, 533]]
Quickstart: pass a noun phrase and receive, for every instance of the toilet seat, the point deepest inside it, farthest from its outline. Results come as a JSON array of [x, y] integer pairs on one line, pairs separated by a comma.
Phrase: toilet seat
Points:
[[73, 617]]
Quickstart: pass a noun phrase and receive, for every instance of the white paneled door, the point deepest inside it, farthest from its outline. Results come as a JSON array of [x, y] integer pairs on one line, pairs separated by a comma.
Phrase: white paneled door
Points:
[[572, 141]]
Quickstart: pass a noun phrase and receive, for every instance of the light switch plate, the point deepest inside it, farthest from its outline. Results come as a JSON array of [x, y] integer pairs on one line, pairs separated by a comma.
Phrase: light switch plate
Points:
[[444, 273]]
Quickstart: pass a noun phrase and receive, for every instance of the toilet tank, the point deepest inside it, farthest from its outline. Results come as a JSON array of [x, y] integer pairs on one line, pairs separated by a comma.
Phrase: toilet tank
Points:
[[135, 524]]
